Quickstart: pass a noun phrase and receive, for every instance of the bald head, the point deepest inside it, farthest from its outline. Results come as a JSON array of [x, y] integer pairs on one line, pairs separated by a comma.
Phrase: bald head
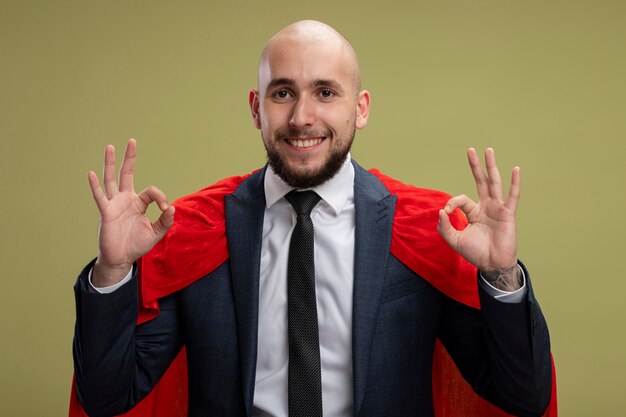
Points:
[[308, 104], [306, 35]]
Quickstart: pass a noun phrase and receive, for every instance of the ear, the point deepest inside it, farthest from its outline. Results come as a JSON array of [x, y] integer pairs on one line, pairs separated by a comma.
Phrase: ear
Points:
[[362, 109], [253, 101]]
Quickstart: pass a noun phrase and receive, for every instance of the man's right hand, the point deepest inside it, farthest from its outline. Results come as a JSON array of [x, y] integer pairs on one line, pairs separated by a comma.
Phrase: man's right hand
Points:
[[125, 233]]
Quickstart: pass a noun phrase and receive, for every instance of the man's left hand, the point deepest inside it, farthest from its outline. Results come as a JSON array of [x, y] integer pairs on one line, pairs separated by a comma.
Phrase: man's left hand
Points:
[[489, 241]]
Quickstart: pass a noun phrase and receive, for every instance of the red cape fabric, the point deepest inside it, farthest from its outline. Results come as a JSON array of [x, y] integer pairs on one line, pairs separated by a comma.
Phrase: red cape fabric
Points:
[[196, 245]]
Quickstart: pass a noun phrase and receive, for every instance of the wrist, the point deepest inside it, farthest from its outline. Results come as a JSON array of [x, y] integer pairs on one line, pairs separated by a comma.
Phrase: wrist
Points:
[[505, 279], [106, 275]]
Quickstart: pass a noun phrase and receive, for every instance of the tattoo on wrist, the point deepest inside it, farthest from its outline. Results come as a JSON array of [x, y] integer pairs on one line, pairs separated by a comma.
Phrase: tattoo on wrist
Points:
[[506, 279]]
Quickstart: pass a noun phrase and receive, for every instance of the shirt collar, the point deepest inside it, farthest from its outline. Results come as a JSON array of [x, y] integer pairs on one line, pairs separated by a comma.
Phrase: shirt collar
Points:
[[334, 192]]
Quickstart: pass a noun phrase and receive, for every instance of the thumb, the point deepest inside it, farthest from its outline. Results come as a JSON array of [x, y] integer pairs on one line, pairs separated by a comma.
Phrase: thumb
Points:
[[445, 229], [164, 222]]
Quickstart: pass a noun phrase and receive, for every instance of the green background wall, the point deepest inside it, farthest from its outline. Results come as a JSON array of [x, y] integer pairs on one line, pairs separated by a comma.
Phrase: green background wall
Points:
[[541, 81]]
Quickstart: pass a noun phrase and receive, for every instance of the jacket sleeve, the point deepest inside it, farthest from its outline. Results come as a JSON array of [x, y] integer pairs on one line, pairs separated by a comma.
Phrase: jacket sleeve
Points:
[[503, 351], [116, 362]]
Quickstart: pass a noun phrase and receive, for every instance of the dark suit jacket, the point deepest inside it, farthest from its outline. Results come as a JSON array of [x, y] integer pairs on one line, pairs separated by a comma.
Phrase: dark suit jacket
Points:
[[502, 350]]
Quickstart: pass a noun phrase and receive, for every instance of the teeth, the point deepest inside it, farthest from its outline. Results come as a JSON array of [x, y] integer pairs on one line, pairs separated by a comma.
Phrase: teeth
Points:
[[304, 143]]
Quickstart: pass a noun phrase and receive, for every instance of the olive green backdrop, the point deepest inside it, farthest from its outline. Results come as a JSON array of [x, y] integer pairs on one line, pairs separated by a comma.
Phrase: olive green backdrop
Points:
[[543, 82]]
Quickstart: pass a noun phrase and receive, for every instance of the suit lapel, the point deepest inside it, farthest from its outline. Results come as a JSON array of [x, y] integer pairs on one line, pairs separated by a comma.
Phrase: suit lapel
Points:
[[374, 208], [244, 211]]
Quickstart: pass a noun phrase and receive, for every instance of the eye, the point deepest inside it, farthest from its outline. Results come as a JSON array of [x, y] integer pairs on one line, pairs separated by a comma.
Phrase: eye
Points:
[[282, 94], [326, 93]]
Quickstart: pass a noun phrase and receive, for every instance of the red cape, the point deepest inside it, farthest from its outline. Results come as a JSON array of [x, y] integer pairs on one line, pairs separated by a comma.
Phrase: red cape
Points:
[[196, 245]]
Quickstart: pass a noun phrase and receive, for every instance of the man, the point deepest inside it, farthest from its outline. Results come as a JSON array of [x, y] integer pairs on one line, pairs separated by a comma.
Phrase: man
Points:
[[385, 285]]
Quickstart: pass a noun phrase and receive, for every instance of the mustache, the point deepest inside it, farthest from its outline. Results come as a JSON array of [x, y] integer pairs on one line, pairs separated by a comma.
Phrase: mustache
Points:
[[294, 132]]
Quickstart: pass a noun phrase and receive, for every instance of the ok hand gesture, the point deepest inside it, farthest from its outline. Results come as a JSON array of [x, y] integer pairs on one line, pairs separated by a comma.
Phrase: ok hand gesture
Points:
[[125, 233], [489, 241]]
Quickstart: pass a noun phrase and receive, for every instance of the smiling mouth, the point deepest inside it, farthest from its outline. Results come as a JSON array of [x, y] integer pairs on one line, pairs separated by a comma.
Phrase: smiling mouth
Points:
[[304, 143]]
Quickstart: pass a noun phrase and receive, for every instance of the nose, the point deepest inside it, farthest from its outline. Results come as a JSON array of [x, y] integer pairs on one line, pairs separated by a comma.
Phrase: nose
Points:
[[303, 113]]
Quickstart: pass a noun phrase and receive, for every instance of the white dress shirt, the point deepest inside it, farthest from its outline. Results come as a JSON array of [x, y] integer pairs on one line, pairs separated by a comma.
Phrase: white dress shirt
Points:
[[334, 222], [333, 219]]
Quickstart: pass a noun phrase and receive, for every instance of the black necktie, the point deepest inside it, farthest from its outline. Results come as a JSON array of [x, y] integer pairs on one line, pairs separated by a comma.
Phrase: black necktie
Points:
[[305, 380]]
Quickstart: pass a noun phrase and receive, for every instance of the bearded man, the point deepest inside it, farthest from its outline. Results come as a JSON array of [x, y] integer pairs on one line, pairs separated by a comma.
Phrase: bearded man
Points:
[[270, 308]]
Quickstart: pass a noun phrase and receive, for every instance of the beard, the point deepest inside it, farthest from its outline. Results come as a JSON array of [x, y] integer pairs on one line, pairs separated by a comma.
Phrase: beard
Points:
[[309, 178]]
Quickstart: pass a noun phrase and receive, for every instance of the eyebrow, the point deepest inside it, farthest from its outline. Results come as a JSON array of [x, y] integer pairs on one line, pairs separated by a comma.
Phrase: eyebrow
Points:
[[328, 83], [317, 83], [280, 81]]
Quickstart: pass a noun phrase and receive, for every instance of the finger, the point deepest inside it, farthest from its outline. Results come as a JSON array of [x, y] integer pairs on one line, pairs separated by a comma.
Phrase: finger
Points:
[[514, 191], [462, 202], [151, 194], [128, 166], [110, 183], [98, 195], [164, 222], [495, 182], [445, 229], [482, 186]]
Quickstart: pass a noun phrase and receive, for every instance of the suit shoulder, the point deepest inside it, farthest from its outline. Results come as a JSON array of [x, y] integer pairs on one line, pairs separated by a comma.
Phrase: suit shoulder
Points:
[[417, 244]]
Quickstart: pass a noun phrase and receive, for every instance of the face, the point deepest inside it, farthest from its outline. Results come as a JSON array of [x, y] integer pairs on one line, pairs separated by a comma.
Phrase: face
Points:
[[307, 109]]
